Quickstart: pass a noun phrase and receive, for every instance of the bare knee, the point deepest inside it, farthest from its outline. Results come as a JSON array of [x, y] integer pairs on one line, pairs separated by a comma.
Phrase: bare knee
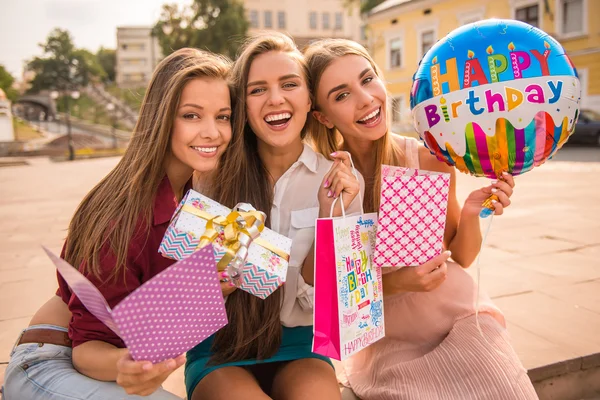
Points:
[[308, 378], [228, 383]]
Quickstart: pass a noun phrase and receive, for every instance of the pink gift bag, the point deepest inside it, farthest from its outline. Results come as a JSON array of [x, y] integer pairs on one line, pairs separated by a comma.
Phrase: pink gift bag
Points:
[[166, 316], [412, 216], [348, 312]]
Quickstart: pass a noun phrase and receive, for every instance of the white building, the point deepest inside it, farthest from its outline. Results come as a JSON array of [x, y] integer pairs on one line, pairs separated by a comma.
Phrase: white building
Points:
[[138, 52], [305, 20]]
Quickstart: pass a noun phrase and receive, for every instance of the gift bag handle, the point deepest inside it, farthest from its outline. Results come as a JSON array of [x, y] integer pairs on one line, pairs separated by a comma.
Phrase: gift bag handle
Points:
[[355, 173], [333, 206]]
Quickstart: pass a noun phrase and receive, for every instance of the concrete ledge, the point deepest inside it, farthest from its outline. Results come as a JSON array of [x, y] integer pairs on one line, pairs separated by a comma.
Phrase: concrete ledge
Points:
[[574, 379]]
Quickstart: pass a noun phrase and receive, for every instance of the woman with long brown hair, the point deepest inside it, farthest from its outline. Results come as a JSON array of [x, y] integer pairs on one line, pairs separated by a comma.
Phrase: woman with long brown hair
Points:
[[436, 346], [114, 235], [269, 166]]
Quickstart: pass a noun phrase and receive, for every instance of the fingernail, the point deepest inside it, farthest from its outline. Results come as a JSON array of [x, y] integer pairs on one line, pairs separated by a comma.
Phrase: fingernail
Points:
[[494, 201], [171, 364], [231, 284], [504, 173], [494, 190], [329, 194], [147, 367], [326, 183], [333, 154], [494, 181]]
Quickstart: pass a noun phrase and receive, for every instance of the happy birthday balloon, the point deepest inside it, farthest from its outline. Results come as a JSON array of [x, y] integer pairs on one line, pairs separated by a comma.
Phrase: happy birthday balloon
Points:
[[494, 96]]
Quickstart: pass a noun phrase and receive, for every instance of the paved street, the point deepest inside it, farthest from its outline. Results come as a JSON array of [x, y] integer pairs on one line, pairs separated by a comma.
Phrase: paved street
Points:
[[540, 262]]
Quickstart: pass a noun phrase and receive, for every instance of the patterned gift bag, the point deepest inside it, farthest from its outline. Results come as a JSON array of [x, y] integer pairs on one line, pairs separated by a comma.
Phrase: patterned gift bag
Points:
[[166, 316], [412, 216]]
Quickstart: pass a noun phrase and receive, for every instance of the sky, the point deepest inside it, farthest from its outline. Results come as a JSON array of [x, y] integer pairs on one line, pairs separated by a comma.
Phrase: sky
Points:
[[92, 23]]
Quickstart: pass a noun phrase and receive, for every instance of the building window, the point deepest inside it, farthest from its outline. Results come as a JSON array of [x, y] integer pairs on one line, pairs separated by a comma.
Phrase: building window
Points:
[[339, 21], [397, 110], [268, 19], [281, 19], [395, 52], [572, 17], [253, 19], [528, 15], [325, 20], [427, 41], [312, 20]]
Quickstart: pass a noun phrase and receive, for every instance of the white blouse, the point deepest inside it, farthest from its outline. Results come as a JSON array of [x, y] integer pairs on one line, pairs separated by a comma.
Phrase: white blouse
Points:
[[295, 210]]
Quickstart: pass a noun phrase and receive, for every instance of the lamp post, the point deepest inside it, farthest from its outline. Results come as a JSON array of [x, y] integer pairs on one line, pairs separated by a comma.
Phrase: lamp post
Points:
[[68, 96], [54, 96], [110, 107]]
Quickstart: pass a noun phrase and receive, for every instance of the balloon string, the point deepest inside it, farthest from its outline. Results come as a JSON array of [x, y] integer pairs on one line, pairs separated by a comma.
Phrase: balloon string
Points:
[[478, 269]]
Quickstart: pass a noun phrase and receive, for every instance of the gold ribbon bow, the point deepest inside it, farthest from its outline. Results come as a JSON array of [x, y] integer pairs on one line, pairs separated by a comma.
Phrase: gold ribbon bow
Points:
[[240, 229]]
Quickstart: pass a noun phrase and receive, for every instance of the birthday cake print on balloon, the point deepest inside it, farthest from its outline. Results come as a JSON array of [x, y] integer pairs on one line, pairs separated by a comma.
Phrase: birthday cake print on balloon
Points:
[[494, 96]]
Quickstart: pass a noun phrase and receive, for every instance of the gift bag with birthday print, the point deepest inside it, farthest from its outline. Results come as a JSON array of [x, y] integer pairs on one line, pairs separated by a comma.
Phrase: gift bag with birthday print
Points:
[[412, 216], [348, 312]]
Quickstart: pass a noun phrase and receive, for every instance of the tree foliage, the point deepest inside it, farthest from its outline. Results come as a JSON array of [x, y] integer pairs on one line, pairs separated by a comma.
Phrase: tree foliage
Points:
[[62, 66], [215, 25], [107, 58], [6, 82]]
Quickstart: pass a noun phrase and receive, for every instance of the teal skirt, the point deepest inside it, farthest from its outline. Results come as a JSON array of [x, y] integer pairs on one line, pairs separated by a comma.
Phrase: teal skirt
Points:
[[296, 344]]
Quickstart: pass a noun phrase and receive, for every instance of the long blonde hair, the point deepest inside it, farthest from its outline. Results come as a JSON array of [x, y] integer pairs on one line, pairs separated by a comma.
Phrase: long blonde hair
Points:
[[254, 329], [120, 206], [319, 55]]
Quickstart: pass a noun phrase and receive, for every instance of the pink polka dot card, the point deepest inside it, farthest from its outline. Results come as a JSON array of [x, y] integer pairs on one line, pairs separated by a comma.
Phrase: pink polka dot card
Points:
[[166, 316]]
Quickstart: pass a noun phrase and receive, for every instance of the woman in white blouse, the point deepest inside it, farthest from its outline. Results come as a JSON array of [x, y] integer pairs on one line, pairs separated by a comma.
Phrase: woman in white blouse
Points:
[[265, 350]]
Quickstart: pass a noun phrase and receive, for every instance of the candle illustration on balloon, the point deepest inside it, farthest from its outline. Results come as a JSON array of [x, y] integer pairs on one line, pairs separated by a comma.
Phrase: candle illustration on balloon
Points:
[[547, 47], [492, 64], [514, 60], [435, 77], [445, 109], [467, 79]]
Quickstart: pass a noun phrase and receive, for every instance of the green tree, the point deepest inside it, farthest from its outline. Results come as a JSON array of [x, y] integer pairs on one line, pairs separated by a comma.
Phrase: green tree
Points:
[[6, 82], [63, 67], [215, 25], [107, 58]]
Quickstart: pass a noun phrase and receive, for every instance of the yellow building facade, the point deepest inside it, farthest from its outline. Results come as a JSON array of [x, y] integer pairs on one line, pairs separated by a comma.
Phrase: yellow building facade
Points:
[[401, 31]]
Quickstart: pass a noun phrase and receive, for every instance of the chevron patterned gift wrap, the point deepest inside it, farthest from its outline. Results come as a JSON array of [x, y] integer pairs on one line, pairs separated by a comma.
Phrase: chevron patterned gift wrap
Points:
[[264, 270]]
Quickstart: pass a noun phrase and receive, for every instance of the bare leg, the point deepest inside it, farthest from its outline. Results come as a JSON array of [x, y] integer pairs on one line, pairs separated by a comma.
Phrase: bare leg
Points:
[[229, 383], [307, 378]]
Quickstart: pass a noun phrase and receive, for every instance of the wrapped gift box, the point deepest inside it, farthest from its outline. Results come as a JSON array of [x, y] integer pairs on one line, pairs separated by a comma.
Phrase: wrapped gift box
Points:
[[267, 262]]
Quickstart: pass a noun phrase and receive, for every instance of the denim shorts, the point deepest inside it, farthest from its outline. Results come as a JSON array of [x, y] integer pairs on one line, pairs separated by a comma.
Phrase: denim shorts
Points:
[[45, 372]]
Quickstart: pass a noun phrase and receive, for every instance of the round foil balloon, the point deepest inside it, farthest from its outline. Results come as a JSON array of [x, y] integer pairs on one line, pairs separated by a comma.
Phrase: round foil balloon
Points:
[[494, 96]]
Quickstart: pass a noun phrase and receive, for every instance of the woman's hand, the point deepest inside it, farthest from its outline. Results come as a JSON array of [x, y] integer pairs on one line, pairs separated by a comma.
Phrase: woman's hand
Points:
[[423, 278], [340, 179], [503, 188], [142, 377]]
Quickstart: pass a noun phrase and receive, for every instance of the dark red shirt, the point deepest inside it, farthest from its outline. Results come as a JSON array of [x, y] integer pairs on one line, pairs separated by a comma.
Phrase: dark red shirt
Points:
[[143, 262]]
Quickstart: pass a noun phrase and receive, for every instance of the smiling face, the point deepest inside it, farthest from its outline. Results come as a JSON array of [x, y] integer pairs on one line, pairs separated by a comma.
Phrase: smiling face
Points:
[[277, 99], [202, 127], [352, 98]]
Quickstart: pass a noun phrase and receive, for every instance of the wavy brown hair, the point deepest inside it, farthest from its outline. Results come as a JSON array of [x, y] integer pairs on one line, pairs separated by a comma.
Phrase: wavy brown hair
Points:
[[121, 204], [319, 55], [254, 329]]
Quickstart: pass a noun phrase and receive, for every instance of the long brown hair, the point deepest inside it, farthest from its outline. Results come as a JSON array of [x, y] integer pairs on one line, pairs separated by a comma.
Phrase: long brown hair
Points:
[[254, 329], [121, 204], [319, 56]]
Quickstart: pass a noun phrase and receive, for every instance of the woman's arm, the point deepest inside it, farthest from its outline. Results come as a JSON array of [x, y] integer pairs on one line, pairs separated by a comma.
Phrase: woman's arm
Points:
[[463, 234], [98, 360]]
